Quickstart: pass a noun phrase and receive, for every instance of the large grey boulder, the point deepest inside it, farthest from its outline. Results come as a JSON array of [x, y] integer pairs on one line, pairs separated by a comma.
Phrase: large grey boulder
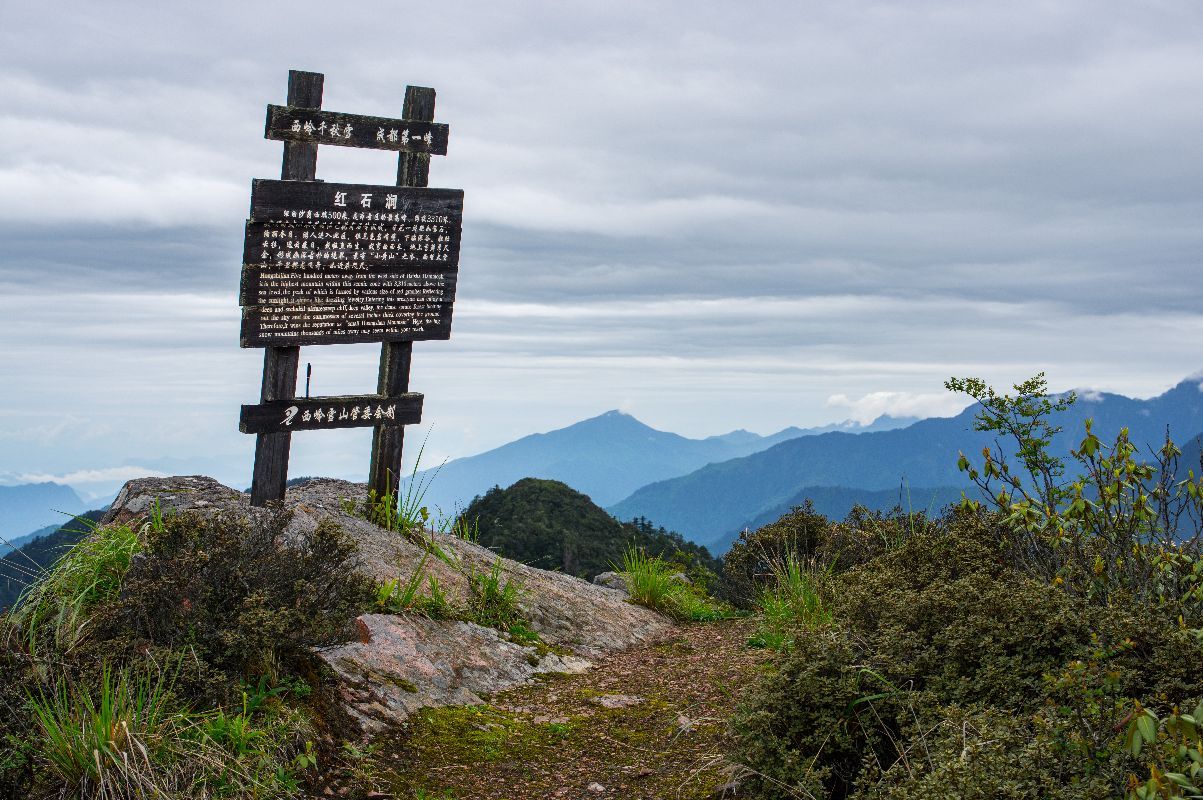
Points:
[[404, 662]]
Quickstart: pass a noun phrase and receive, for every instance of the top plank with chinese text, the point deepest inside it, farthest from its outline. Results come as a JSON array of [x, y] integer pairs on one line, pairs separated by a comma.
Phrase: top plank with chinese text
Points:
[[288, 124]]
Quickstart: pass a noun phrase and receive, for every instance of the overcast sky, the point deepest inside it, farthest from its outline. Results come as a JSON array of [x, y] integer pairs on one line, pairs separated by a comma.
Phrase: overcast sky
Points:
[[710, 215]]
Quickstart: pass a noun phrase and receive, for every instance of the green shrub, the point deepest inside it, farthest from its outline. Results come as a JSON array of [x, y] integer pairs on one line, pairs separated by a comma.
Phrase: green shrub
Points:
[[233, 605], [16, 720], [1121, 530], [943, 630], [748, 565], [243, 597], [986, 754]]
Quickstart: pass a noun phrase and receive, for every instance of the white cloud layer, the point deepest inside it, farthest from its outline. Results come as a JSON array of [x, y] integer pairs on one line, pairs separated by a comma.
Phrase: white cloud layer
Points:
[[86, 478], [866, 408]]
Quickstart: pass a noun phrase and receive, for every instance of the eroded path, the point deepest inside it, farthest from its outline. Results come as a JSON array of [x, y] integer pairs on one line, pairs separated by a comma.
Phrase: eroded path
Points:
[[650, 722]]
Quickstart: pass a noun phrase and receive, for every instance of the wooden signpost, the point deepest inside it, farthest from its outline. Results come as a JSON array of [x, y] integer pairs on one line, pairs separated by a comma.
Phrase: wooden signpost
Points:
[[337, 263]]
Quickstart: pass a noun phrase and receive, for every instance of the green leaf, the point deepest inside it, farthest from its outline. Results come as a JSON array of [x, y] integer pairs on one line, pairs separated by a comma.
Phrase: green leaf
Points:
[[1132, 740], [1147, 727]]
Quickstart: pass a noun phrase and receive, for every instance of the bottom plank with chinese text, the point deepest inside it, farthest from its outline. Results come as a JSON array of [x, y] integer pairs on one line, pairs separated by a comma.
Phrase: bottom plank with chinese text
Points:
[[320, 413]]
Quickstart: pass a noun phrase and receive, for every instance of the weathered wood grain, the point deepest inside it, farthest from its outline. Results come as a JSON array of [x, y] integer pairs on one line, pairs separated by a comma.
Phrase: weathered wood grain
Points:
[[413, 170], [280, 364], [321, 413], [289, 124]]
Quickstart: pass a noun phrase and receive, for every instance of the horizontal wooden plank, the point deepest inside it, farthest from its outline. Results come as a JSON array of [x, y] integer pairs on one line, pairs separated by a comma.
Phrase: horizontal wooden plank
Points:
[[344, 323], [320, 413], [288, 124]]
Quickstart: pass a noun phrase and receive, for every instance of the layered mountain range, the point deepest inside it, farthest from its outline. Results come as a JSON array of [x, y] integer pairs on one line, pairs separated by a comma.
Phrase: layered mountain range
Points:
[[710, 489], [712, 504], [26, 509], [606, 457]]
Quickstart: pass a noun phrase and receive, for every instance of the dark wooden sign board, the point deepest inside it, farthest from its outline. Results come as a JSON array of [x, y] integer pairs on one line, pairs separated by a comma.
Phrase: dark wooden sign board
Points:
[[326, 263], [333, 263]]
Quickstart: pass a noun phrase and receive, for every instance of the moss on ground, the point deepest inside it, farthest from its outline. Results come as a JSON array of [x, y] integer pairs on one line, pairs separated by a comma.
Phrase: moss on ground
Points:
[[553, 737]]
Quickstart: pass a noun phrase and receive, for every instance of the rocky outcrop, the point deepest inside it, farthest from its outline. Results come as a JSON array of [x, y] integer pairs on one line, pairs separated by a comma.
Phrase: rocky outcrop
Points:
[[405, 662], [612, 580]]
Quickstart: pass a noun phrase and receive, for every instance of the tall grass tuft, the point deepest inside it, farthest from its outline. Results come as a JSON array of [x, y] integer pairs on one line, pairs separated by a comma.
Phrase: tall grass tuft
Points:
[[55, 610], [794, 601], [403, 511], [650, 580], [116, 742], [493, 597], [395, 596], [655, 583]]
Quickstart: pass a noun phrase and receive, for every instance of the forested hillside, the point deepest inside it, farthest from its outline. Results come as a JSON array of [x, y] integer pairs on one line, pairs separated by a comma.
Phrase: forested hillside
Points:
[[549, 525]]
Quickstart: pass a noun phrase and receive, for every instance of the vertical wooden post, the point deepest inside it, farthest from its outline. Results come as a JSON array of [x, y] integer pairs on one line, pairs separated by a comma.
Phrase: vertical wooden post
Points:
[[413, 169], [280, 363]]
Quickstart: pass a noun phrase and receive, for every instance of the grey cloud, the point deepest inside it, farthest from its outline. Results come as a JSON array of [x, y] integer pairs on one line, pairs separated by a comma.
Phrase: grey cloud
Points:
[[708, 212]]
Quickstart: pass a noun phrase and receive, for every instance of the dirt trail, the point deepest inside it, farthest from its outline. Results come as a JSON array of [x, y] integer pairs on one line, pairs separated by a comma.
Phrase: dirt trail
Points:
[[650, 722]]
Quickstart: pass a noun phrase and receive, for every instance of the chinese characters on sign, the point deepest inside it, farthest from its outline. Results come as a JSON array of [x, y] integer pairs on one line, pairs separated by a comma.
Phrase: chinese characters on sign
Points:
[[354, 130], [340, 413], [316, 413], [349, 263]]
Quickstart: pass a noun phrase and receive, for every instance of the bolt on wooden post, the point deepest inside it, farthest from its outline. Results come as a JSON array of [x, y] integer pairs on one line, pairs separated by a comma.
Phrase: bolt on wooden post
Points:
[[336, 263]]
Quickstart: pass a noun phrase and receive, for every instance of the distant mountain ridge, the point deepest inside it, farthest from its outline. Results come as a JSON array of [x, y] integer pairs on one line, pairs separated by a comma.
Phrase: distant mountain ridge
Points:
[[711, 503], [606, 457], [27, 507]]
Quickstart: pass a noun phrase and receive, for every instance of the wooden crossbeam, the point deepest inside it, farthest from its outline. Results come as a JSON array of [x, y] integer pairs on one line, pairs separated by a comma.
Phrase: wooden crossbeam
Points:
[[288, 124], [323, 413]]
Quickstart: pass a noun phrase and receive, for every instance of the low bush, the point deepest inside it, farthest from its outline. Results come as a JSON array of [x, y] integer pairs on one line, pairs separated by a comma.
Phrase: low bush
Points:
[[748, 565], [244, 599], [1048, 647], [166, 659], [940, 624]]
